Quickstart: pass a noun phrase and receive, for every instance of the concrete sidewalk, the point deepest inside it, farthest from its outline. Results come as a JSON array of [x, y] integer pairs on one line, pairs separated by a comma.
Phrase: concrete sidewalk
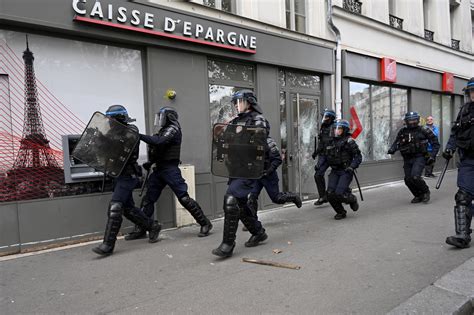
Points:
[[371, 263]]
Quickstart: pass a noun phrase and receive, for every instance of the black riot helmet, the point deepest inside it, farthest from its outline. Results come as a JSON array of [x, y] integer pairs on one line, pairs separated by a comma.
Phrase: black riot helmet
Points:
[[328, 116], [412, 119], [166, 116], [246, 96], [341, 128], [469, 90], [119, 113]]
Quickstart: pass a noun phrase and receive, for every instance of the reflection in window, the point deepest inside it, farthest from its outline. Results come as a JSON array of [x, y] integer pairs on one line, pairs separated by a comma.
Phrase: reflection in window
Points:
[[380, 110], [220, 108], [360, 100], [445, 126], [441, 110], [399, 108], [381, 121]]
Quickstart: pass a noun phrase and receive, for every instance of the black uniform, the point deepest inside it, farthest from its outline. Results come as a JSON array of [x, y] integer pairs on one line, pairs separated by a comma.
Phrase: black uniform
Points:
[[324, 140], [413, 145], [236, 199], [343, 156], [462, 139], [122, 204], [164, 150]]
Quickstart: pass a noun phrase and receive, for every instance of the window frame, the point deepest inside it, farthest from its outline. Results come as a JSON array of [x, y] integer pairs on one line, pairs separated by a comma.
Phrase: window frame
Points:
[[292, 11]]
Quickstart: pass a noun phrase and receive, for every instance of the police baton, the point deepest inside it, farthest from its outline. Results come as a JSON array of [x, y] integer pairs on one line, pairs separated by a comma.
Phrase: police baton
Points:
[[440, 179], [145, 182], [358, 185]]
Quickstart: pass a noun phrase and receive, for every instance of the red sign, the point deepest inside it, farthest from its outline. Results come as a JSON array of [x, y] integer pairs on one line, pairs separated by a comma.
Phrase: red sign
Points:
[[388, 70], [448, 82], [355, 120]]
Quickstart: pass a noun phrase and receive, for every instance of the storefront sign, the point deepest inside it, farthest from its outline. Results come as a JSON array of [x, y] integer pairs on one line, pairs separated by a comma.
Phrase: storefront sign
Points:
[[448, 82], [388, 70], [96, 12], [355, 121]]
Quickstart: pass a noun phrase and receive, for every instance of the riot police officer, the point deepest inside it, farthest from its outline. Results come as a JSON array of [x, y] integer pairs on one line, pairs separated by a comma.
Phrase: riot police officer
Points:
[[122, 199], [164, 152], [343, 156], [238, 189], [412, 141], [462, 139], [270, 179], [323, 140]]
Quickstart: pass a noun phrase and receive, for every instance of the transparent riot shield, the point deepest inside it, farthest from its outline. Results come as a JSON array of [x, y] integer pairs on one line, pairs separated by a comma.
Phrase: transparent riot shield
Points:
[[106, 145], [238, 151]]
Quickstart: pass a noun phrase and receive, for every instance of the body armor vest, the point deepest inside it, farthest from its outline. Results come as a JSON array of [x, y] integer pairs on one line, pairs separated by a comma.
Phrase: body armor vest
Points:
[[325, 139], [413, 141], [465, 128], [339, 154], [164, 152]]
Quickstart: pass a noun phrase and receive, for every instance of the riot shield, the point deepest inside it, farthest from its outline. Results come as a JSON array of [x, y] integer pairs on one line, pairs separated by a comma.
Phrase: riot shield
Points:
[[106, 145], [238, 151]]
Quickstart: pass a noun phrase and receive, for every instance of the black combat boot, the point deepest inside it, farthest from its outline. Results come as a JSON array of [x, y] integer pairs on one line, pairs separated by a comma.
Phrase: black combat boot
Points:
[[336, 202], [112, 228], [205, 229], [321, 186], [462, 220], [224, 250], [285, 197], [137, 233], [256, 239], [231, 223], [425, 198], [352, 201], [195, 210], [417, 199], [340, 215], [154, 232]]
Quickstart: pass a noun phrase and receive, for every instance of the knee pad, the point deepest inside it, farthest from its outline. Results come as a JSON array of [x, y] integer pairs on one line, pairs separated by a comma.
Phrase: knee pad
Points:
[[463, 198], [115, 209], [231, 205]]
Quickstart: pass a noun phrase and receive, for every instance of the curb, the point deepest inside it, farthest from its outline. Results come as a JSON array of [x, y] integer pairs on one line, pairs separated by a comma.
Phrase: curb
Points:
[[453, 293]]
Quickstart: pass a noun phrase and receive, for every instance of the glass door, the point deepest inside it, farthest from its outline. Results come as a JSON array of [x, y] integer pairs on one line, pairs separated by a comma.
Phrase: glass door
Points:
[[299, 125]]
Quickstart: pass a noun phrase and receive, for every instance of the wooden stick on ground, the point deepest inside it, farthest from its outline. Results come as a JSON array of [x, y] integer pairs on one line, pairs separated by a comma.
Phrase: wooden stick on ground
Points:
[[271, 263]]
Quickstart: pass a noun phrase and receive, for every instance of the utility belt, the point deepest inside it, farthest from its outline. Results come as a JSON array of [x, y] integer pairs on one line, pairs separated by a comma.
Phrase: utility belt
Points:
[[414, 148]]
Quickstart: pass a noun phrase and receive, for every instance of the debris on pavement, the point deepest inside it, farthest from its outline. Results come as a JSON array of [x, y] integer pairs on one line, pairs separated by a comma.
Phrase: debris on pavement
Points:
[[271, 263]]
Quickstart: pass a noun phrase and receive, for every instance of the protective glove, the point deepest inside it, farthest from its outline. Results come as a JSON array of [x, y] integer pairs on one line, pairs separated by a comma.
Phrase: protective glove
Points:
[[314, 155], [349, 169], [147, 166], [391, 152], [430, 161], [448, 154]]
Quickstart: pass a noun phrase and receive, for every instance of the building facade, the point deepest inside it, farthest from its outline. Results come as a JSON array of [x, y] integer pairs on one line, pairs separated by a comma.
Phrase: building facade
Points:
[[92, 54]]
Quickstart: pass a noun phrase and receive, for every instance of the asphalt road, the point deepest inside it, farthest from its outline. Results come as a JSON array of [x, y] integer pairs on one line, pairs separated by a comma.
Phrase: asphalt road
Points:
[[368, 263]]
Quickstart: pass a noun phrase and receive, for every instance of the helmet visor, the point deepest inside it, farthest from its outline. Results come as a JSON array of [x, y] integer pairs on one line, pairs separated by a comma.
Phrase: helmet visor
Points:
[[412, 123], [240, 104], [160, 119], [327, 117], [339, 131]]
